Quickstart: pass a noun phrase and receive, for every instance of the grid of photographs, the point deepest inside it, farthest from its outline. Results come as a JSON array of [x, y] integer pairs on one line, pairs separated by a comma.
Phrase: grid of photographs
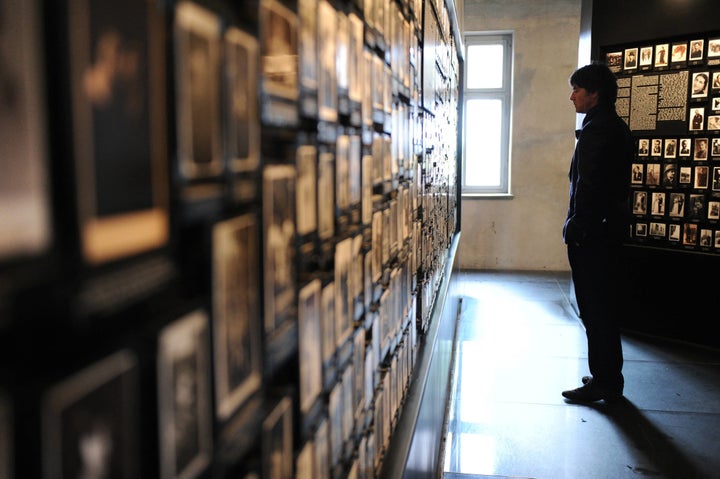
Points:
[[675, 176]]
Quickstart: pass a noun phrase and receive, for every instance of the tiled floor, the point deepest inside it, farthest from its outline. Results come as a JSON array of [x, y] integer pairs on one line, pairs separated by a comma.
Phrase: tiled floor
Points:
[[519, 344]]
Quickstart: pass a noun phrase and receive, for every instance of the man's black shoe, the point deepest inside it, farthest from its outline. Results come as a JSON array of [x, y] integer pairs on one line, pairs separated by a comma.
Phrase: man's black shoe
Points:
[[590, 393]]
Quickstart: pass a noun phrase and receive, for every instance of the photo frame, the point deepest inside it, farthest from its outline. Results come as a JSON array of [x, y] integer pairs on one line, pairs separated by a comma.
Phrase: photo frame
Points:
[[670, 147], [277, 441], [713, 50], [677, 205], [121, 163], [308, 56], [696, 119], [310, 360], [679, 53], [197, 73], [307, 182], [328, 343], [716, 178], [700, 84], [327, 81], [662, 55], [701, 177], [641, 230], [614, 61], [98, 404], [241, 114], [713, 122], [643, 147], [696, 206], [326, 191], [669, 178], [184, 396], [700, 149], [684, 147], [279, 50], [236, 312], [656, 147], [652, 174], [278, 218], [715, 83], [343, 292], [25, 219], [342, 173], [658, 230], [715, 103], [630, 59], [646, 56], [657, 203], [697, 50], [685, 177], [705, 239], [715, 148], [673, 232], [639, 202], [713, 210], [690, 234]]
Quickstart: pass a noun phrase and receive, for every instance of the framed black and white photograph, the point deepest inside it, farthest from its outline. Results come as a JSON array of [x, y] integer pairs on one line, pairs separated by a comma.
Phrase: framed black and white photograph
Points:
[[242, 118], [310, 360], [308, 57], [685, 176], [277, 441], [700, 84], [697, 50], [306, 202], [696, 119], [713, 122], [643, 147], [684, 147], [677, 205], [639, 202], [327, 81], [701, 179], [640, 230], [630, 59], [658, 230], [705, 239], [90, 422], [197, 74], [652, 174], [236, 312], [700, 149], [184, 397], [25, 218], [716, 178], [658, 205], [670, 147], [713, 210], [279, 50], [715, 148], [118, 108], [669, 178], [715, 83], [646, 56], [696, 207], [690, 234], [662, 55], [656, 147], [614, 61], [326, 191], [278, 205], [679, 53], [713, 50], [673, 230]]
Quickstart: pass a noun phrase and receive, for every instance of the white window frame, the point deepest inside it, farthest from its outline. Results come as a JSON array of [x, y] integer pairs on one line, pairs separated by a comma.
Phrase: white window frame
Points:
[[504, 94]]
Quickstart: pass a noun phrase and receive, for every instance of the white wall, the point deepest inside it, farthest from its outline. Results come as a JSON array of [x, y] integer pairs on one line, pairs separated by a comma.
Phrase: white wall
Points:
[[524, 232]]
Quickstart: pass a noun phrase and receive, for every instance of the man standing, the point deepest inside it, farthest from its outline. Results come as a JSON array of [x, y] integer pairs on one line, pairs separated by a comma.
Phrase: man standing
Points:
[[597, 223]]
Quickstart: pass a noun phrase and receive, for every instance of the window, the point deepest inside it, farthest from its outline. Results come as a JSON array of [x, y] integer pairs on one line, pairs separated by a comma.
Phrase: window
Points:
[[487, 108]]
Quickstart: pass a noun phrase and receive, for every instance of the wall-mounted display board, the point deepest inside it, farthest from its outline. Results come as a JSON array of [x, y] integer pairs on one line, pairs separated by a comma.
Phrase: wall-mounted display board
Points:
[[248, 207], [669, 94]]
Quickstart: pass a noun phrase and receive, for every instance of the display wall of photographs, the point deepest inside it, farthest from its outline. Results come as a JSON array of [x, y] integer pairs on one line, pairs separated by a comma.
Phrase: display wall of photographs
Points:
[[236, 312], [121, 172], [90, 423], [25, 228], [184, 397]]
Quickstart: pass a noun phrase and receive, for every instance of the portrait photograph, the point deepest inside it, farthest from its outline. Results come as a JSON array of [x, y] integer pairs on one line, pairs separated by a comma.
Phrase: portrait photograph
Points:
[[641, 229], [657, 147], [652, 174], [662, 55], [674, 232], [657, 207], [669, 178], [677, 205], [706, 238], [700, 84], [697, 50], [716, 178], [715, 149], [700, 149], [715, 83], [639, 202], [310, 361], [643, 147], [117, 83], [277, 441], [713, 210], [658, 230], [684, 147], [278, 218], [242, 119], [630, 59], [679, 52], [690, 234], [670, 147], [713, 48], [696, 119], [184, 396], [646, 56], [236, 312], [696, 207], [279, 50], [197, 71], [702, 174], [90, 421], [25, 218], [327, 80]]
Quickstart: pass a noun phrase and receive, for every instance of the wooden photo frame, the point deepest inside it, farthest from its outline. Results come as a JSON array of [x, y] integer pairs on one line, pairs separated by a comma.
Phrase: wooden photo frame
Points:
[[184, 396], [197, 74], [96, 407], [236, 312], [242, 121], [278, 218], [118, 128], [25, 218]]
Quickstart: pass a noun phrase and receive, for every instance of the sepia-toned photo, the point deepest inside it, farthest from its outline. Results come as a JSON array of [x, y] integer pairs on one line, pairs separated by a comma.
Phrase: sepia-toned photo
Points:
[[646, 56], [713, 48], [715, 149], [705, 240], [657, 147], [639, 202], [643, 147], [652, 174], [310, 361], [677, 205], [696, 207], [697, 50], [690, 234], [670, 147], [684, 148], [242, 120], [685, 177], [184, 397], [308, 54], [657, 207], [117, 84], [674, 232], [343, 292], [700, 149], [630, 59], [700, 84], [713, 210], [662, 55], [90, 422], [702, 174], [679, 52], [640, 229], [713, 122], [236, 311], [716, 178], [696, 119], [278, 204], [614, 61], [658, 230]]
